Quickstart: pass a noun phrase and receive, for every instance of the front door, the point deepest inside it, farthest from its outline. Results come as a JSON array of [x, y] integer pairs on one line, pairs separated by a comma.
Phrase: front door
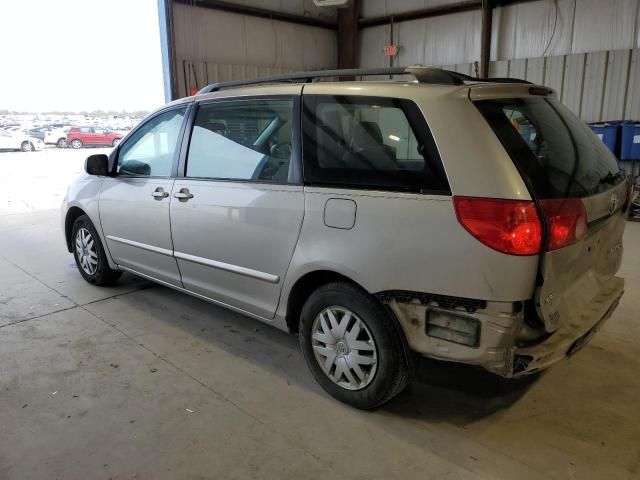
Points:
[[237, 211], [134, 205]]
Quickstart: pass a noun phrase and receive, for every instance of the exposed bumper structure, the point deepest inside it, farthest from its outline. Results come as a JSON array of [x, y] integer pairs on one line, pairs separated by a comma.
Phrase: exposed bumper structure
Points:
[[506, 345], [572, 335]]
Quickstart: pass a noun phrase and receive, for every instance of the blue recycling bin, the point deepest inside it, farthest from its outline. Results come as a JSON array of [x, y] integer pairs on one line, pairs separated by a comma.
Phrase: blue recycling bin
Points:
[[630, 141], [607, 132]]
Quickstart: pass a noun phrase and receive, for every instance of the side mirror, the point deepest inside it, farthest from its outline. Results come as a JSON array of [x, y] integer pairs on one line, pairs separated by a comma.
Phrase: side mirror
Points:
[[97, 164]]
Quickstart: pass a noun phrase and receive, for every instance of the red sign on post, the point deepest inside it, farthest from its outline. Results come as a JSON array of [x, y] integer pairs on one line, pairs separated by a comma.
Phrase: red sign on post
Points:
[[391, 50]]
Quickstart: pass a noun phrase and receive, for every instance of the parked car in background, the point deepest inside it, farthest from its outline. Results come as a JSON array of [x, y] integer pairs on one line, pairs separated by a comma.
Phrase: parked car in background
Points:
[[19, 141], [57, 137], [79, 137], [37, 132]]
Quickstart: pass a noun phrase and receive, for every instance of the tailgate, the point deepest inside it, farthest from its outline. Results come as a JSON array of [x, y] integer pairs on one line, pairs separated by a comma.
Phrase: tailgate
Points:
[[579, 190], [574, 276]]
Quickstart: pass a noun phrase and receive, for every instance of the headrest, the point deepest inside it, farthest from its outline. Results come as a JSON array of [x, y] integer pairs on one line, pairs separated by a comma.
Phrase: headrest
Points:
[[366, 135], [218, 127]]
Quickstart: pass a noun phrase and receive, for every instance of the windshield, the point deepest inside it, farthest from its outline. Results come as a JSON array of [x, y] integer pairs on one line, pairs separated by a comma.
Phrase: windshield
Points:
[[555, 152]]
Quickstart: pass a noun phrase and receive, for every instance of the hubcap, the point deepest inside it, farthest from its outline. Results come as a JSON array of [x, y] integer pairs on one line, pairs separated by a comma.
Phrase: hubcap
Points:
[[86, 251], [344, 348]]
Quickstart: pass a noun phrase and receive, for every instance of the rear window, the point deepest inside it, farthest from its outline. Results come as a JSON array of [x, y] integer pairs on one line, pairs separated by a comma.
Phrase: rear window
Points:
[[371, 143], [555, 152]]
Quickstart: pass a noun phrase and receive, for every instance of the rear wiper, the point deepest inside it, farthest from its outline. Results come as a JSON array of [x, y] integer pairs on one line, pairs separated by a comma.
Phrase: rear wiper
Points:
[[612, 177]]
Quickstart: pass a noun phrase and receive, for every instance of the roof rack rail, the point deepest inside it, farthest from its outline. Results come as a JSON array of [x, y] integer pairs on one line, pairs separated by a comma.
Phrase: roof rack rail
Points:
[[429, 75]]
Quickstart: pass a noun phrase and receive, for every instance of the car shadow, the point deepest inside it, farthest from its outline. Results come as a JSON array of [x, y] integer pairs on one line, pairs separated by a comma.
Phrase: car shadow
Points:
[[457, 393], [440, 392]]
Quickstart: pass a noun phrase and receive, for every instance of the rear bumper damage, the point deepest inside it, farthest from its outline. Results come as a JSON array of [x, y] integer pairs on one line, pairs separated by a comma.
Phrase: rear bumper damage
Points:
[[494, 335], [573, 334]]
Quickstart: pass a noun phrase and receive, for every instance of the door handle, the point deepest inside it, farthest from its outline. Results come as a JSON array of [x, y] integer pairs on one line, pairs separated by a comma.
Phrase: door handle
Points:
[[159, 193], [183, 195]]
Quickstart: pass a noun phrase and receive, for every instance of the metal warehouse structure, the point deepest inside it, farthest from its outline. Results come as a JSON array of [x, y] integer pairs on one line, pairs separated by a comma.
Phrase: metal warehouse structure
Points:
[[588, 50]]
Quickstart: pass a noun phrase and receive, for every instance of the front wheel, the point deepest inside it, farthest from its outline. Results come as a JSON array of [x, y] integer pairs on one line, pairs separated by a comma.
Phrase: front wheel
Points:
[[352, 347], [76, 143], [27, 147], [62, 143], [89, 254]]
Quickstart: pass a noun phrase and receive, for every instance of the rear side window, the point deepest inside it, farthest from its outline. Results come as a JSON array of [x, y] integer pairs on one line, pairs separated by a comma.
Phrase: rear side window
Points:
[[369, 142], [555, 152], [242, 140]]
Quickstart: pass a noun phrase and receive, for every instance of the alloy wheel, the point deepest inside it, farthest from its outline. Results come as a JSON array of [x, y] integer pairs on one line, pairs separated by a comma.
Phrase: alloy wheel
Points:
[[86, 251], [344, 348]]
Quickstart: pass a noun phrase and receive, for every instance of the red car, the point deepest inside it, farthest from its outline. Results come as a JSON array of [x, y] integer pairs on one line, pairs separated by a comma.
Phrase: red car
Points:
[[79, 137]]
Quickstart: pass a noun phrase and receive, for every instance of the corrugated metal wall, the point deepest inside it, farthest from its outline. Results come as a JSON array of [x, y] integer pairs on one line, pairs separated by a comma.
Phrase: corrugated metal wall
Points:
[[586, 49], [212, 45], [525, 30]]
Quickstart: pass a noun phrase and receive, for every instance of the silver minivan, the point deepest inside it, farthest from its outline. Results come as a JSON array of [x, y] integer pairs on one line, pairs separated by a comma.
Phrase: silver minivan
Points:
[[461, 219]]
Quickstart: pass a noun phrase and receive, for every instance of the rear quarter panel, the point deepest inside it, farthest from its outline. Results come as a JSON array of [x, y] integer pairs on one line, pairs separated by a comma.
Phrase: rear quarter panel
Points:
[[406, 242]]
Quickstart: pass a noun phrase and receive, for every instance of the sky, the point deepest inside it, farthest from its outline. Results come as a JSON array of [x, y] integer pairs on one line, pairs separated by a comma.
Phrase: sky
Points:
[[80, 55]]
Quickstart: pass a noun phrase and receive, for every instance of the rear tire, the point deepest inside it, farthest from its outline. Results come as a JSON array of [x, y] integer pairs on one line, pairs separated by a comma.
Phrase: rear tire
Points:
[[75, 143], [352, 346], [27, 147], [62, 143], [89, 254]]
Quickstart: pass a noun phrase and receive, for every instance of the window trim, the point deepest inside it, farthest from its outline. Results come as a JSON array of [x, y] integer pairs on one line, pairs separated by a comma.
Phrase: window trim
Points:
[[418, 124], [115, 154], [295, 169]]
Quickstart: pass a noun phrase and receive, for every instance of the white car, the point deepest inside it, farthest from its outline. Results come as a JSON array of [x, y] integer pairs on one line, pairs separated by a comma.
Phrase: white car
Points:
[[57, 137], [19, 141]]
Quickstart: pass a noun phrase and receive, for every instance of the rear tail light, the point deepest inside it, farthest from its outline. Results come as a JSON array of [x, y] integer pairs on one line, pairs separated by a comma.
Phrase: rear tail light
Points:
[[567, 221], [508, 226]]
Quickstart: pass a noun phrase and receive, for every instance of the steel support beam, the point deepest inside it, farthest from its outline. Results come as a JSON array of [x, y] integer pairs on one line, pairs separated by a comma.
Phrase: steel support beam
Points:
[[462, 6], [167, 49], [259, 12], [348, 35], [485, 37]]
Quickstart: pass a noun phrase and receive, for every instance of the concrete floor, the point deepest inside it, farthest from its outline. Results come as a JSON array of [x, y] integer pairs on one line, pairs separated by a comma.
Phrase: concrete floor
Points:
[[139, 381]]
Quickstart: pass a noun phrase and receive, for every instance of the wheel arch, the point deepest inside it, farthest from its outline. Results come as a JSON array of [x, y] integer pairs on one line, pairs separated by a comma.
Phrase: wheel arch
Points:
[[305, 286], [72, 215], [310, 281]]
